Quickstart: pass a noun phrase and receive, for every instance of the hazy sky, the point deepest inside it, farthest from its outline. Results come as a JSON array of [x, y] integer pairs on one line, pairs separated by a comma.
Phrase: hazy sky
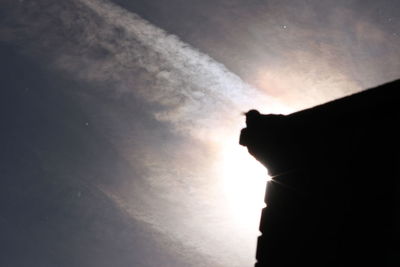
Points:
[[120, 119]]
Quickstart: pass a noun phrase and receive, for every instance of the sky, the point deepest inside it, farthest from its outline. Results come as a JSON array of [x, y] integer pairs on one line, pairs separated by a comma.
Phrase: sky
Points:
[[120, 119]]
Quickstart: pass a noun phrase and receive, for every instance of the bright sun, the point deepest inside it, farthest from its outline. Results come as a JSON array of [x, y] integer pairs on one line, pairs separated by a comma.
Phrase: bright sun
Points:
[[244, 181]]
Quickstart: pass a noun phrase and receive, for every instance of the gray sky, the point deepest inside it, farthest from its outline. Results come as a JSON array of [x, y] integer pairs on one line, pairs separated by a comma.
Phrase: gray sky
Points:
[[120, 120]]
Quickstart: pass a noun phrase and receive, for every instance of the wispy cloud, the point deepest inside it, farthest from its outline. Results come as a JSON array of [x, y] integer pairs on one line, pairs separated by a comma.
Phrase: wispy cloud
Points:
[[97, 41], [119, 55]]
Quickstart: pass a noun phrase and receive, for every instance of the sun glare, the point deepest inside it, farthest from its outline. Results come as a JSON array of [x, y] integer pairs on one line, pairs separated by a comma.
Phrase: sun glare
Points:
[[244, 181]]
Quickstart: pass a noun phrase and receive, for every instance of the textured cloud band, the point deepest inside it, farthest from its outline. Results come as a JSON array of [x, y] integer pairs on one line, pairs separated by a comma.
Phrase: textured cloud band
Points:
[[97, 41]]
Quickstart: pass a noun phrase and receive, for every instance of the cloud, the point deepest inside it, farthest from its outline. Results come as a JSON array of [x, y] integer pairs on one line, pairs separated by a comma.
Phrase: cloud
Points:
[[99, 42], [142, 71], [116, 55], [304, 52]]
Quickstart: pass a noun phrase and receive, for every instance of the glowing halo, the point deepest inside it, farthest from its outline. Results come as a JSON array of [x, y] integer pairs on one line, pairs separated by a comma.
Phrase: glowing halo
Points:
[[243, 180]]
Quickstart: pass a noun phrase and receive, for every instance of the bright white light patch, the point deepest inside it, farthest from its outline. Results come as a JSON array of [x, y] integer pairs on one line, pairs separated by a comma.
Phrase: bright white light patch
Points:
[[244, 181]]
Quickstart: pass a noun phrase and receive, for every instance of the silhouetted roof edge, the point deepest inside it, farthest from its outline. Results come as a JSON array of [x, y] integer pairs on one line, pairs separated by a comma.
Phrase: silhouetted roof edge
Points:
[[386, 95]]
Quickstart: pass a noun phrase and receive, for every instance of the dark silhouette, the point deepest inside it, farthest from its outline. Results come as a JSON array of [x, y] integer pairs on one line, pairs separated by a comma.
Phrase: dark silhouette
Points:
[[334, 195]]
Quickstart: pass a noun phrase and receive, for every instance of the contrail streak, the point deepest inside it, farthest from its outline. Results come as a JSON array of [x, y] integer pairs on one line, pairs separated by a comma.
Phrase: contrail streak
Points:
[[102, 43], [188, 85], [118, 53]]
